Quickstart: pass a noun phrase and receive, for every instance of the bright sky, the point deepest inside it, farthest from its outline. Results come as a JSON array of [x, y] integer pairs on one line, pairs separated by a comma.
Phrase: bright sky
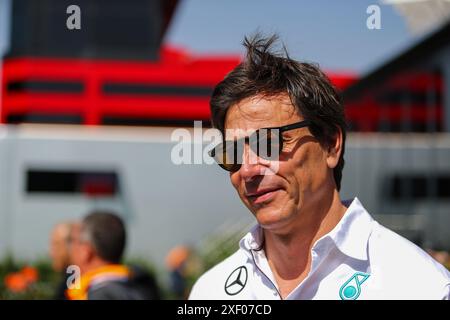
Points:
[[332, 33]]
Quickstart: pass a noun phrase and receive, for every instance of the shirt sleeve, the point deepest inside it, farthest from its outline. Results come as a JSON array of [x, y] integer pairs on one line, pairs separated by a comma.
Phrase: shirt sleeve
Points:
[[446, 295]]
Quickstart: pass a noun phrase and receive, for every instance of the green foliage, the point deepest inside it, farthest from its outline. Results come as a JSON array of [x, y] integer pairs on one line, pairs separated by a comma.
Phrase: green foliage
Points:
[[217, 247], [48, 280], [222, 243], [214, 249]]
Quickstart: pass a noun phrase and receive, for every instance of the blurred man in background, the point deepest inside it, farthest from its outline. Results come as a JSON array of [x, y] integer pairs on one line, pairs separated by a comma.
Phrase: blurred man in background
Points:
[[98, 244], [60, 254], [176, 261], [441, 256]]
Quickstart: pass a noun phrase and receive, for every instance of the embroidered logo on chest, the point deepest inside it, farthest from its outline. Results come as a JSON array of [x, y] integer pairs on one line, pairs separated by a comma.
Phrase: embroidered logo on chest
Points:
[[236, 281], [351, 289]]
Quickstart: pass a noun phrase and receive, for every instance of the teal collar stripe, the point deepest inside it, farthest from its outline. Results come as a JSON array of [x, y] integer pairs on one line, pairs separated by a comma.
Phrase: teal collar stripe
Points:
[[351, 289]]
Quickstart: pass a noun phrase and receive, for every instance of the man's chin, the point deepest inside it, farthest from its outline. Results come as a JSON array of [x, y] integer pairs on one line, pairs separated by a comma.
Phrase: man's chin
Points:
[[270, 217]]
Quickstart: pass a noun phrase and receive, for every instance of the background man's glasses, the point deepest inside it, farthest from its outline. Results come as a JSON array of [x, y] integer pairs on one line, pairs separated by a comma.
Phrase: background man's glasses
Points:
[[266, 143]]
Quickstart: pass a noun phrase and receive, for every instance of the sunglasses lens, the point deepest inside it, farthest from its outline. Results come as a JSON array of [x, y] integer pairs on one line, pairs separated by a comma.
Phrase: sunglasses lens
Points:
[[227, 155], [231, 167], [266, 143]]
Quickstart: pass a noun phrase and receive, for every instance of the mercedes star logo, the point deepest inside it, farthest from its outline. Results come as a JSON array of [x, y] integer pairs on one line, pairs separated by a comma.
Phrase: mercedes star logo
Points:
[[236, 281]]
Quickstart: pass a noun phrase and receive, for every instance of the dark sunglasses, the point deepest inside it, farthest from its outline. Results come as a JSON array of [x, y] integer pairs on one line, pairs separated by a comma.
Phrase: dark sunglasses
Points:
[[266, 143]]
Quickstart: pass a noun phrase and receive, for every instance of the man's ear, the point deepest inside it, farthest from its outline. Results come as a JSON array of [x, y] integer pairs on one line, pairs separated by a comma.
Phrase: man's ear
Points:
[[335, 149]]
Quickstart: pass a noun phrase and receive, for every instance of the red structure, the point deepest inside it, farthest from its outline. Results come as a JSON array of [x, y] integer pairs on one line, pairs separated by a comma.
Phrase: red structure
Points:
[[107, 73], [407, 101], [174, 89]]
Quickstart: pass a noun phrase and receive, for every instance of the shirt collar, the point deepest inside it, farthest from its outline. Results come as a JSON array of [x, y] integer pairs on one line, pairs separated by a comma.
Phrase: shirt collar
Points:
[[350, 235], [253, 240], [352, 232]]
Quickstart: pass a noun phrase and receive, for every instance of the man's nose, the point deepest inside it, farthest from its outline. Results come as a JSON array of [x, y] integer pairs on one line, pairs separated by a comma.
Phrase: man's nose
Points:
[[251, 166]]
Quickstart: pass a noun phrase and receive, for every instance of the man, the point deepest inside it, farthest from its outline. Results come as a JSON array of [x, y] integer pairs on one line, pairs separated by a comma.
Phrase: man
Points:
[[59, 254], [307, 243], [98, 243], [176, 262]]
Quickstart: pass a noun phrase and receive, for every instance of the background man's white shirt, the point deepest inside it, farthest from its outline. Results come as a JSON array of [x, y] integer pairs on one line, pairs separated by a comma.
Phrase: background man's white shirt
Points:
[[358, 259]]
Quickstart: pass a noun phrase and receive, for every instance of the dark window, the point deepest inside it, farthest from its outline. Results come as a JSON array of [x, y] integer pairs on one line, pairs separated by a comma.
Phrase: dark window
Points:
[[407, 126], [93, 183], [144, 121], [419, 186], [401, 96], [34, 117], [45, 86], [156, 89]]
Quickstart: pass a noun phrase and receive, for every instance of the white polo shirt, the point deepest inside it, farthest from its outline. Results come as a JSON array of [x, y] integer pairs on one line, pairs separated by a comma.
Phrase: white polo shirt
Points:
[[358, 259]]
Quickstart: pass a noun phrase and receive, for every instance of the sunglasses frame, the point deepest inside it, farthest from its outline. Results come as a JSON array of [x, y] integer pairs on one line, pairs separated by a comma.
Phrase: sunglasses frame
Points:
[[236, 166]]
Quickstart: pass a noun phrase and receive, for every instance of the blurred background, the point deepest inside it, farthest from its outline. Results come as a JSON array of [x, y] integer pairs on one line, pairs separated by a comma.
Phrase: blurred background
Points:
[[87, 116]]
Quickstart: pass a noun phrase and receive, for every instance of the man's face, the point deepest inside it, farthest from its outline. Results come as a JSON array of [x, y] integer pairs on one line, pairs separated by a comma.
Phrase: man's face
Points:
[[79, 249], [59, 248], [303, 174]]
